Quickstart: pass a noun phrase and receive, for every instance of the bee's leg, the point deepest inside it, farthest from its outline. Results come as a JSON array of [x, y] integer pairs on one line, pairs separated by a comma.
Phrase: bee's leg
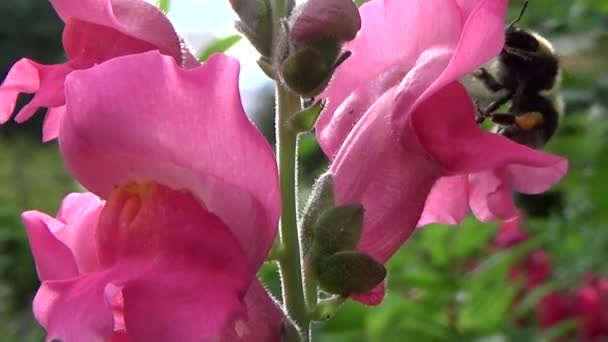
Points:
[[494, 105], [488, 80], [480, 114], [526, 55], [503, 119]]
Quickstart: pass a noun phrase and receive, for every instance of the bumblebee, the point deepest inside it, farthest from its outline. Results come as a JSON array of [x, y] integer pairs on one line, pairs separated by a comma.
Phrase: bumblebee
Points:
[[526, 73]]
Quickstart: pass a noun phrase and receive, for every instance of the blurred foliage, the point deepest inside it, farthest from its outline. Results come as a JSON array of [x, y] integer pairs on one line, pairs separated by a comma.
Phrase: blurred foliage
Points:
[[431, 294]]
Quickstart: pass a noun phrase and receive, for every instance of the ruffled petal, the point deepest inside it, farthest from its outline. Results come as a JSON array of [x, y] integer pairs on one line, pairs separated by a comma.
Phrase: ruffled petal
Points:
[[386, 47], [185, 129], [490, 197], [482, 37], [52, 123], [75, 309], [447, 203], [54, 260], [27, 76], [79, 213], [129, 24], [460, 147]]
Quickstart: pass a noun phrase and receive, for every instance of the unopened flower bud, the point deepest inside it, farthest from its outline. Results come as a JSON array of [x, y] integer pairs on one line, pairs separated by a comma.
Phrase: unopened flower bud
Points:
[[255, 23], [309, 50], [316, 19]]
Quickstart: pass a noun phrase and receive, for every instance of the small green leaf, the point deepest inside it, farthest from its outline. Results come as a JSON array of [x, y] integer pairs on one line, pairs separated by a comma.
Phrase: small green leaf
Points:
[[338, 229], [265, 64], [348, 272], [220, 45], [164, 5], [304, 120]]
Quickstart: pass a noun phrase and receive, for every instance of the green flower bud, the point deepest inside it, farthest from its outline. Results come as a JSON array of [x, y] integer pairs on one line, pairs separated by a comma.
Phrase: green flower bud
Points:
[[308, 50]]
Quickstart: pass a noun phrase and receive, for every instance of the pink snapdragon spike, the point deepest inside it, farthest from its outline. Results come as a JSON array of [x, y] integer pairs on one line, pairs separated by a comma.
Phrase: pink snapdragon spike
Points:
[[172, 254], [95, 31], [398, 120]]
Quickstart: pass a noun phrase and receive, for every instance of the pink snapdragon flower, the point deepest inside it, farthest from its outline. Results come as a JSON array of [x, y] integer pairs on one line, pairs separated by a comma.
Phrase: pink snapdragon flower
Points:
[[95, 31], [588, 305], [398, 120], [172, 253]]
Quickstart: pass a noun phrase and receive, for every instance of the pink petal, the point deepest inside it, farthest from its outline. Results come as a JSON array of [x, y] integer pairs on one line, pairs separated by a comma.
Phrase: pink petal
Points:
[[381, 55], [27, 76], [182, 128], [263, 322], [193, 271], [446, 204], [134, 24], [179, 303], [75, 309], [481, 39], [490, 197], [80, 213], [510, 233], [390, 181], [372, 297], [54, 260], [52, 122]]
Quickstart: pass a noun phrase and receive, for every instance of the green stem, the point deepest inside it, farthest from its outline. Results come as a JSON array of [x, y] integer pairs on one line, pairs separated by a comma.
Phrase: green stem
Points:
[[289, 262]]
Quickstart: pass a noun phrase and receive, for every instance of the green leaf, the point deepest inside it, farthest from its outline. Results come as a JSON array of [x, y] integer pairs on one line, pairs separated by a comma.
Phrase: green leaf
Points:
[[164, 5], [304, 120], [220, 45]]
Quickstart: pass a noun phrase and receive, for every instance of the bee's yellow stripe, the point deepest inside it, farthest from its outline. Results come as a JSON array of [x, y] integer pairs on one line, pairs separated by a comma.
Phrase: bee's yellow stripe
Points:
[[529, 120]]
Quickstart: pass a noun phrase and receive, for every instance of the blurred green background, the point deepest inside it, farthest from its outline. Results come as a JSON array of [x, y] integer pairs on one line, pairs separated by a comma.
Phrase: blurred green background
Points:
[[432, 293]]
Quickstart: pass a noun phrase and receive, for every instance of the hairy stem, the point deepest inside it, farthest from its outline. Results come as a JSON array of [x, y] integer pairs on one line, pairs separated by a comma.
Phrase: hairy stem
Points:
[[290, 264]]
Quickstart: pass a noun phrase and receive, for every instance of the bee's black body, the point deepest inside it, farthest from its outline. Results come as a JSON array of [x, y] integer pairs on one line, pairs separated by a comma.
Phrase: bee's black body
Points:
[[526, 73]]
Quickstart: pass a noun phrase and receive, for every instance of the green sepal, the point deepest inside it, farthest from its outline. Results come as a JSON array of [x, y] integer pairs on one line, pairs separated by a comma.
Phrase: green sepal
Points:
[[321, 198], [220, 45], [348, 272], [265, 64], [255, 23], [326, 308], [307, 71], [304, 120], [338, 229]]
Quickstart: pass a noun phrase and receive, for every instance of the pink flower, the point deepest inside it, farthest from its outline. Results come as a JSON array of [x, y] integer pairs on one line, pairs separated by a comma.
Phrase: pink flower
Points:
[[173, 252], [553, 308], [510, 234], [95, 31], [398, 120], [535, 269], [593, 312]]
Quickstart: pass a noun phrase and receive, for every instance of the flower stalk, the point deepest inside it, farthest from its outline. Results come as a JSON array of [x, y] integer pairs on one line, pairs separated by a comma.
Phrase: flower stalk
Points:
[[290, 265]]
